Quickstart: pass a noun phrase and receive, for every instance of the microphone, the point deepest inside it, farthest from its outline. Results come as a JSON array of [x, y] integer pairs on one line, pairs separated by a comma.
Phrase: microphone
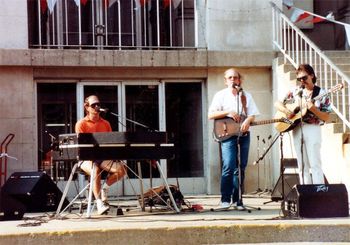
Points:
[[103, 109], [238, 88], [300, 92]]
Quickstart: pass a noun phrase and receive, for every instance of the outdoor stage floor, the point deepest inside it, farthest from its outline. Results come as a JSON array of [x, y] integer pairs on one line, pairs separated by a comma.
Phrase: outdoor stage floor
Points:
[[204, 226]]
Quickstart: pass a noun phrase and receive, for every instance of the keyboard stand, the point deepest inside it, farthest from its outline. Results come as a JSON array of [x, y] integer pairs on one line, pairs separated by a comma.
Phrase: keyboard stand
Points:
[[90, 186], [167, 188]]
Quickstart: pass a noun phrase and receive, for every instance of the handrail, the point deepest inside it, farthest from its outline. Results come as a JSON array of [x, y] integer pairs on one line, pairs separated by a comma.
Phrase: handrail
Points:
[[297, 48], [3, 147]]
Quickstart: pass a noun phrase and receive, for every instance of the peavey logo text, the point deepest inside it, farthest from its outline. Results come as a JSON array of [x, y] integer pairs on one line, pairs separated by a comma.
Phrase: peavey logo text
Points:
[[321, 188]]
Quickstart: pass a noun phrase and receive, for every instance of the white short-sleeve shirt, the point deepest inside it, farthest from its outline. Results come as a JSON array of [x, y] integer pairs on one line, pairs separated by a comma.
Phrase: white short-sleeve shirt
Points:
[[224, 100]]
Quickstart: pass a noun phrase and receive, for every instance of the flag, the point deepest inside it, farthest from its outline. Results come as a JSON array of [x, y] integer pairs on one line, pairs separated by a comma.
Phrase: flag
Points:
[[316, 20], [347, 30], [176, 3], [43, 6], [330, 16], [111, 2], [302, 16], [166, 3], [140, 3], [51, 4], [288, 3], [83, 2], [295, 15]]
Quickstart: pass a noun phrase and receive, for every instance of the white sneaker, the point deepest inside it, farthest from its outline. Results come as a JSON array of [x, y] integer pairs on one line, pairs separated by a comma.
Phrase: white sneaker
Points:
[[225, 205], [104, 195], [240, 207], [102, 208]]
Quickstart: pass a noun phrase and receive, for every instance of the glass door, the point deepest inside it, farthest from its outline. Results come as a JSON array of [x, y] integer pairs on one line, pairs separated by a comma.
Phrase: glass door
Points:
[[174, 107]]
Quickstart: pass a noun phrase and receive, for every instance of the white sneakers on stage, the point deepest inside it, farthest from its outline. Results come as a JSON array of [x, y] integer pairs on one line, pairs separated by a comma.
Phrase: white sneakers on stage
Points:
[[102, 208], [225, 205]]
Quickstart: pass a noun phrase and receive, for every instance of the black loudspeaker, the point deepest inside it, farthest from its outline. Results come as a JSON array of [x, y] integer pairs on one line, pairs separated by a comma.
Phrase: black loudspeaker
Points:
[[289, 181], [317, 201], [34, 190], [10, 208]]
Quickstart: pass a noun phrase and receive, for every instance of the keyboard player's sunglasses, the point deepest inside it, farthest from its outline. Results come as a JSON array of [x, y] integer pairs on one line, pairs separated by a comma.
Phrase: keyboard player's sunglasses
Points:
[[95, 105]]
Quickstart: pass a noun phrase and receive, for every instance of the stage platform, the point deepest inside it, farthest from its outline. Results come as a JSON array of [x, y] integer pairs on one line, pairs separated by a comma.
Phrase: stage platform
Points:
[[190, 226]]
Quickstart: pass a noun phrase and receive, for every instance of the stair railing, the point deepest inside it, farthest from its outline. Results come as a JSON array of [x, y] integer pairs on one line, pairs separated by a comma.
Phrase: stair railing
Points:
[[297, 48]]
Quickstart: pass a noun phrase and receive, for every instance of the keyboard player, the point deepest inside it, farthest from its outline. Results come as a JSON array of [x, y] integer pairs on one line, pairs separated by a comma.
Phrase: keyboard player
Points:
[[92, 123]]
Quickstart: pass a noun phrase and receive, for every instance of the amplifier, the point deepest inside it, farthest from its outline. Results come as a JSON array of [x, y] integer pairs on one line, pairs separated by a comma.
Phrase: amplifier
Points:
[[317, 201]]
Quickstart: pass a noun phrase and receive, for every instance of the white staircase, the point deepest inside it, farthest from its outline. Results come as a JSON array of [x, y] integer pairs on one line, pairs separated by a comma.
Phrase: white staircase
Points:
[[336, 141]]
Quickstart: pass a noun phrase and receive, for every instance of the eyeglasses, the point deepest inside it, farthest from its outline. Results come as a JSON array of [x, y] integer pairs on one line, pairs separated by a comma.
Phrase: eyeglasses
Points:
[[232, 77], [299, 79], [95, 105]]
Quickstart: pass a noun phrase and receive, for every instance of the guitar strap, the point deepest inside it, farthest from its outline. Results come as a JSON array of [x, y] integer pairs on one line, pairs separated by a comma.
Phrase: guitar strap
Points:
[[244, 103], [315, 91]]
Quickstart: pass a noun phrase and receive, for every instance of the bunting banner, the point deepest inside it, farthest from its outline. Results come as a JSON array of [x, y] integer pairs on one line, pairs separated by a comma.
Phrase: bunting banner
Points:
[[288, 3], [111, 2], [299, 14], [51, 4], [295, 15], [43, 6], [176, 3], [316, 20]]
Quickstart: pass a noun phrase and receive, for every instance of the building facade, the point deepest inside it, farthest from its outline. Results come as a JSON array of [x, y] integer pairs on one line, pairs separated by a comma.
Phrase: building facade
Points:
[[158, 63]]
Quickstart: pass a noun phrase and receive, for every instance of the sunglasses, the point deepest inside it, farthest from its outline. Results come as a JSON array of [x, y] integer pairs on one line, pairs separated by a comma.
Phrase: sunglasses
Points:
[[232, 77], [299, 79], [95, 105]]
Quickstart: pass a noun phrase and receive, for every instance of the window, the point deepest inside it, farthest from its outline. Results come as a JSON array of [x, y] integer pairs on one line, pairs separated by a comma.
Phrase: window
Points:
[[111, 24], [134, 108]]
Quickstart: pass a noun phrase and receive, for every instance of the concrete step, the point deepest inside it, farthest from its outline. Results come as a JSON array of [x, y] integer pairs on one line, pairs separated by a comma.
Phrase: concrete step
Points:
[[340, 60], [192, 227], [340, 53], [336, 128]]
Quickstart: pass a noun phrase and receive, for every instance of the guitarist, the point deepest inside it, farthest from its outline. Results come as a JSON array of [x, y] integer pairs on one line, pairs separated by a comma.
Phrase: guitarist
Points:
[[309, 157], [224, 104]]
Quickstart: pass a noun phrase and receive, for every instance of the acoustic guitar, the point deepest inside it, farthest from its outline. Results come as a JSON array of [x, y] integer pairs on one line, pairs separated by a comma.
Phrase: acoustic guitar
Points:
[[297, 114], [225, 128]]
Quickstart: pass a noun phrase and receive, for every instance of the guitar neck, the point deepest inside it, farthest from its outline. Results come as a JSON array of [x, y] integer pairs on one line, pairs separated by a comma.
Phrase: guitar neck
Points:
[[265, 122]]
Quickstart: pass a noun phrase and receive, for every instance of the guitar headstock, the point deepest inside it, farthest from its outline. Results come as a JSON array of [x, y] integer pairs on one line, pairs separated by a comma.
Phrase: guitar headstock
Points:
[[336, 88]]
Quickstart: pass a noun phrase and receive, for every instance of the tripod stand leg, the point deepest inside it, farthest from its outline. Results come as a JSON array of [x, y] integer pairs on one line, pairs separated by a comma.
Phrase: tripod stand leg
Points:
[[92, 176], [66, 189], [167, 187], [141, 186]]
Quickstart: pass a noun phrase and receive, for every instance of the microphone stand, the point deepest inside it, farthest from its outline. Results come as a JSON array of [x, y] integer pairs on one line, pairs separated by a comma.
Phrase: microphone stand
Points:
[[134, 122], [301, 137], [258, 190], [53, 146], [267, 150], [239, 201]]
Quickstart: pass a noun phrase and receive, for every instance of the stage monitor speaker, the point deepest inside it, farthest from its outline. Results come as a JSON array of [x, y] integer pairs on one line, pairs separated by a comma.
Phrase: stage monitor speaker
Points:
[[289, 181], [35, 190], [10, 208], [318, 201]]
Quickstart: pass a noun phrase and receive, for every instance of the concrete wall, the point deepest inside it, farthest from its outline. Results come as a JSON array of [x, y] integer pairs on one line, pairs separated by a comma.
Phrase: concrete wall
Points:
[[239, 25], [18, 116], [13, 24], [21, 68], [236, 33]]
